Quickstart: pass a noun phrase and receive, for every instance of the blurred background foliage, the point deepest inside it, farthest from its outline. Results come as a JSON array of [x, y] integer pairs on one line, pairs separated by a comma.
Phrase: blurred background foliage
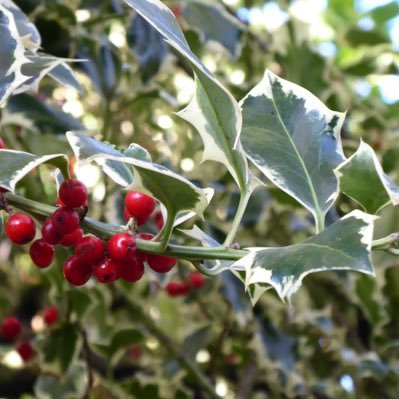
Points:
[[340, 340]]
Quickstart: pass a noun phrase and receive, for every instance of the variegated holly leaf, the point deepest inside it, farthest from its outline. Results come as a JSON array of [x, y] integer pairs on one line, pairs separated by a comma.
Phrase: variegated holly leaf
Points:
[[175, 192], [344, 245], [28, 33], [64, 75], [213, 111], [12, 55], [294, 140], [17, 164], [361, 177]]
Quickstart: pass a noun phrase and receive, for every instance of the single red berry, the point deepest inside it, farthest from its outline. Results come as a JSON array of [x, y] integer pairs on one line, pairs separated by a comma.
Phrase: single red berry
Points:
[[10, 327], [141, 219], [158, 220], [139, 205], [73, 193], [71, 239], [90, 249], [122, 246], [50, 315], [41, 253], [126, 214], [106, 271], [2, 144], [177, 11], [65, 220], [76, 272], [135, 352], [160, 263], [130, 270], [177, 288], [50, 234], [20, 229], [196, 280], [25, 350]]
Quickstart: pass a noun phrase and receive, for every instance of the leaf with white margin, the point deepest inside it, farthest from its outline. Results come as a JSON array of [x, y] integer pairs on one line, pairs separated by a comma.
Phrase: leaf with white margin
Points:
[[17, 164], [86, 148], [28, 32], [213, 111], [12, 55], [172, 190], [344, 245], [40, 64], [294, 140], [362, 178]]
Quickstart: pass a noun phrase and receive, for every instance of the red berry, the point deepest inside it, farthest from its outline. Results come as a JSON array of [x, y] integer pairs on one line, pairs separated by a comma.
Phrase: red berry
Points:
[[106, 271], [158, 220], [41, 253], [20, 229], [71, 239], [1, 144], [50, 234], [50, 315], [10, 327], [122, 246], [76, 272], [65, 220], [25, 350], [126, 214], [141, 219], [73, 193], [130, 270], [90, 249], [160, 263], [196, 279], [139, 205], [177, 288]]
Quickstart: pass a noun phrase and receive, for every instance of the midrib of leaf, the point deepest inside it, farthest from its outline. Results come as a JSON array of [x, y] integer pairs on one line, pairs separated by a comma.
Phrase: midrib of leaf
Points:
[[319, 215], [232, 159]]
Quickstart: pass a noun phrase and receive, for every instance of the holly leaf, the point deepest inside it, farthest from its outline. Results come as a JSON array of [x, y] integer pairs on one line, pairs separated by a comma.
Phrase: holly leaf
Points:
[[215, 23], [27, 31], [65, 76], [344, 245], [293, 139], [31, 113], [213, 111], [17, 164], [12, 55], [175, 192], [361, 178]]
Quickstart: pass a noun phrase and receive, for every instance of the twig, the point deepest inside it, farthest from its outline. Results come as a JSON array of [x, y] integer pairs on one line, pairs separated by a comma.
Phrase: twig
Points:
[[87, 355]]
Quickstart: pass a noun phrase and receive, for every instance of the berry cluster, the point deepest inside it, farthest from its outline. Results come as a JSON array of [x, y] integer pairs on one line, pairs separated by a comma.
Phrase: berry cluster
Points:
[[11, 329], [194, 280], [118, 258]]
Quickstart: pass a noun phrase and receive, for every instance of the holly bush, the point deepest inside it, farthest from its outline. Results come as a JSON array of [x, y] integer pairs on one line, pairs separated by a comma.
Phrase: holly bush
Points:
[[170, 174]]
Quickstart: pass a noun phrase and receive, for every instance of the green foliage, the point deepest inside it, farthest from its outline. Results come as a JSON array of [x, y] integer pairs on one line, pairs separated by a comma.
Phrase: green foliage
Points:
[[105, 90]]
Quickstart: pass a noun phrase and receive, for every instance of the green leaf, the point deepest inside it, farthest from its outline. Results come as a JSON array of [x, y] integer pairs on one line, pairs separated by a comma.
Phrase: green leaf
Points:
[[138, 152], [213, 111], [64, 75], [17, 164], [60, 349], [28, 111], [120, 341], [196, 341], [361, 178], [71, 385], [293, 139], [344, 245], [12, 55], [176, 193], [215, 23]]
